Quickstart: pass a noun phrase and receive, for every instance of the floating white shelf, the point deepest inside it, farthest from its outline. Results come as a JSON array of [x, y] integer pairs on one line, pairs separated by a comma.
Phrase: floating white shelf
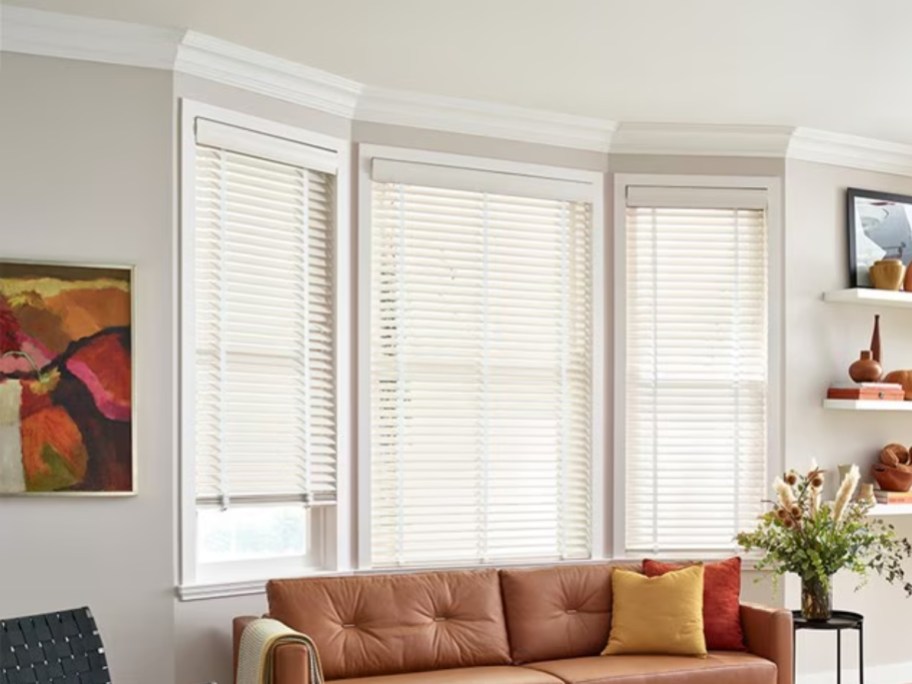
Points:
[[870, 297], [885, 510], [867, 405]]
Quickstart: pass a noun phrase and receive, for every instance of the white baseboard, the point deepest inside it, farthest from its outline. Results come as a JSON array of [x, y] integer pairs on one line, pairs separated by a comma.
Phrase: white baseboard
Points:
[[897, 673]]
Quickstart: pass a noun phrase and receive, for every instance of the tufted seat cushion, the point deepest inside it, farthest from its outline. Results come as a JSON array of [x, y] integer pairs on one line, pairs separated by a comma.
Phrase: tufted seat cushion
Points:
[[720, 667], [390, 624], [467, 675], [559, 612]]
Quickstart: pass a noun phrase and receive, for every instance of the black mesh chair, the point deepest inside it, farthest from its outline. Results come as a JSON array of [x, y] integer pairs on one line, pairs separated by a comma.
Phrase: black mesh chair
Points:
[[56, 648]]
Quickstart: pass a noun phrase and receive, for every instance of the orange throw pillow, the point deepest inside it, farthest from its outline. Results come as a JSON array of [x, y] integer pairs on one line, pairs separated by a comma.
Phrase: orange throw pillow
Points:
[[721, 601]]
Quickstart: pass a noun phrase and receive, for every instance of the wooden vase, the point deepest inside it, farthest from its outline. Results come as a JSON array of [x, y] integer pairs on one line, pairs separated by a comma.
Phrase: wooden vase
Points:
[[866, 369], [875, 340]]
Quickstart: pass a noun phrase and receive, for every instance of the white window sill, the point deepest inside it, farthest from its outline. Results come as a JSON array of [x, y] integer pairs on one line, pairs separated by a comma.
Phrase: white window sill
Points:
[[202, 592], [225, 587], [228, 589]]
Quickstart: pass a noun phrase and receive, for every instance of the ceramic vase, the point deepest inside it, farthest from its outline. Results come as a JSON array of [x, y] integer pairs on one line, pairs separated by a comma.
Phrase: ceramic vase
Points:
[[887, 274], [866, 369]]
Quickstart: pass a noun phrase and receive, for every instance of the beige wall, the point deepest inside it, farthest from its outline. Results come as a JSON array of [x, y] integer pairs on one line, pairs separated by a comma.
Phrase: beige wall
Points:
[[85, 176], [821, 340], [240, 100], [474, 145], [707, 166]]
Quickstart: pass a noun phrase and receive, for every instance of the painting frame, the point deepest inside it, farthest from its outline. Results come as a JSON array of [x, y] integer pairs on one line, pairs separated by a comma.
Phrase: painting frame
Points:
[[859, 205], [130, 271]]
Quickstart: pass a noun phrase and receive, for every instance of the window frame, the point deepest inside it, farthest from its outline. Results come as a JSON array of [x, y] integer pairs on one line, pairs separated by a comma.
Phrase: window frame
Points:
[[772, 185], [599, 466], [331, 526]]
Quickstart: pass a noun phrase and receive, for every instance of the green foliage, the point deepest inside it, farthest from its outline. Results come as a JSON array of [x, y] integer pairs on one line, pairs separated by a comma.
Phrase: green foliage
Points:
[[811, 542]]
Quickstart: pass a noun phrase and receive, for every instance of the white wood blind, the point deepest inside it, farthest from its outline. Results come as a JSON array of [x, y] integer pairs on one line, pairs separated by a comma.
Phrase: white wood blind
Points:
[[696, 369], [480, 376], [264, 388]]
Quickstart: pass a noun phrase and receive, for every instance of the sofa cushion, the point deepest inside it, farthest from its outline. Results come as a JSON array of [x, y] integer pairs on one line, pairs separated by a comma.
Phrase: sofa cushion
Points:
[[558, 612], [721, 600], [661, 615], [389, 624], [719, 667], [468, 675]]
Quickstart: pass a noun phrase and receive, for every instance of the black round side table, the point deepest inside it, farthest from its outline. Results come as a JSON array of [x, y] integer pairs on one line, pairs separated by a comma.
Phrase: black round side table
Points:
[[841, 619]]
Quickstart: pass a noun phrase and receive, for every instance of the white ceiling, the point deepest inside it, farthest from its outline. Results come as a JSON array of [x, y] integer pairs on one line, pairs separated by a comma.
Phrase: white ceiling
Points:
[[840, 65]]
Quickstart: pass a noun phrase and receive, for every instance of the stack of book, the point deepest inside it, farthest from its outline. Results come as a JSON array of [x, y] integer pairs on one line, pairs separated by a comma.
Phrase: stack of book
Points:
[[883, 497], [868, 391]]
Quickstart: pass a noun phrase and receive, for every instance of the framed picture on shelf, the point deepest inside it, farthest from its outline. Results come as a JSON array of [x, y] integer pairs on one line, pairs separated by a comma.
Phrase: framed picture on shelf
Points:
[[880, 227]]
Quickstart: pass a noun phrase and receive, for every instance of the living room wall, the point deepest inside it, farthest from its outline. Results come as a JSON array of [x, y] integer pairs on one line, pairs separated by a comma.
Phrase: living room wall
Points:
[[86, 177]]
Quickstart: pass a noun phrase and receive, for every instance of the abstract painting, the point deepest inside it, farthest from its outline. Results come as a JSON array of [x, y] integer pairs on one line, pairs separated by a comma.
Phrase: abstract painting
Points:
[[65, 380]]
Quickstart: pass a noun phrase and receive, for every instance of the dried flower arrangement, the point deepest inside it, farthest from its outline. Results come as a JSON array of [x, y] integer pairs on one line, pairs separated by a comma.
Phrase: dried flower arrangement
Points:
[[815, 539]]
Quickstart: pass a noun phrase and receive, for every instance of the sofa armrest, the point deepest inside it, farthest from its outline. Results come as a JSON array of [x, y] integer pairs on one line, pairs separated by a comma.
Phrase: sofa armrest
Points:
[[292, 665], [768, 633]]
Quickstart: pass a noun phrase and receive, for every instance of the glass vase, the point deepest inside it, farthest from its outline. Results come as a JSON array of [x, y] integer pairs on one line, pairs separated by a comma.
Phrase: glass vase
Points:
[[816, 599]]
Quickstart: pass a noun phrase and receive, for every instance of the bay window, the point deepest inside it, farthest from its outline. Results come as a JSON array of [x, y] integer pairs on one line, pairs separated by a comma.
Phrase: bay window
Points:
[[480, 359]]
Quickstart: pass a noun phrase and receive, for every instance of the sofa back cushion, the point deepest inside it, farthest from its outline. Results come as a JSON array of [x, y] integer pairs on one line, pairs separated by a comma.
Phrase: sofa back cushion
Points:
[[557, 612], [385, 624]]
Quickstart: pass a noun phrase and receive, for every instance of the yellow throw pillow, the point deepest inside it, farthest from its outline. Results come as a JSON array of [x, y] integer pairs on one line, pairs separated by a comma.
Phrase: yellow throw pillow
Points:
[[657, 615]]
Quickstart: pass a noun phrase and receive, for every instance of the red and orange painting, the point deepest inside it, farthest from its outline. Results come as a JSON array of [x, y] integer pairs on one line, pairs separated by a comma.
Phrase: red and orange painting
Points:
[[65, 380]]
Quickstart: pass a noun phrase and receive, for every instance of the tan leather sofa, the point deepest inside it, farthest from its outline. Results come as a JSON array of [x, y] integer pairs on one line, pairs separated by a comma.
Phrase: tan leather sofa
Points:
[[512, 626]]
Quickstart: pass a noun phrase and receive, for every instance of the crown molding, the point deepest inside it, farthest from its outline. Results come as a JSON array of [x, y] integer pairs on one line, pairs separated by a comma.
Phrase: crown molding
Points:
[[840, 149], [701, 140], [259, 72], [474, 117], [71, 37], [51, 34]]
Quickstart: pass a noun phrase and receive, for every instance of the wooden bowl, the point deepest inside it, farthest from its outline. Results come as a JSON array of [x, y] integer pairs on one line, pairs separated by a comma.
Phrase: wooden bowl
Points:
[[894, 454], [892, 479]]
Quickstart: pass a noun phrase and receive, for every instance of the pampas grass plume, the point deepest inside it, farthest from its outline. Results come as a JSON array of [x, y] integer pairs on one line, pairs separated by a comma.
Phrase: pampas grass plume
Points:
[[845, 493], [784, 493]]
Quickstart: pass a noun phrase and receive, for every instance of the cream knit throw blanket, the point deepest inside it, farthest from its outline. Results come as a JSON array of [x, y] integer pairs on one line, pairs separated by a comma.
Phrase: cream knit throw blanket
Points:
[[258, 644]]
